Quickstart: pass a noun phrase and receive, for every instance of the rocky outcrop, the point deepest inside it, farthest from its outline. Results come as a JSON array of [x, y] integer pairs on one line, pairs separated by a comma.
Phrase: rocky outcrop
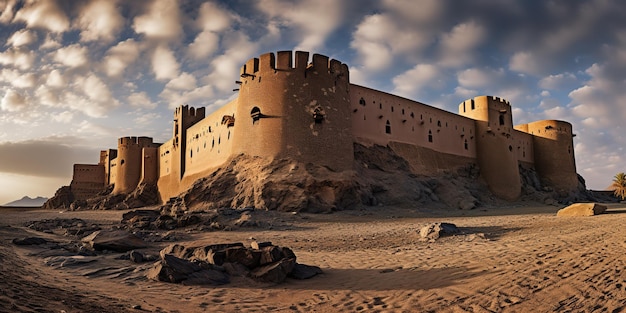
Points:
[[213, 264], [582, 209], [114, 240], [61, 200]]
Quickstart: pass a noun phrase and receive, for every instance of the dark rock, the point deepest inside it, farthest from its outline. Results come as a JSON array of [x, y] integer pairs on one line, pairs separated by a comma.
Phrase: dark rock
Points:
[[435, 230], [61, 200], [303, 271], [136, 216], [176, 250], [270, 254], [136, 257], [29, 241], [114, 240], [258, 245], [172, 269], [236, 269], [207, 277], [287, 253], [274, 272], [242, 255]]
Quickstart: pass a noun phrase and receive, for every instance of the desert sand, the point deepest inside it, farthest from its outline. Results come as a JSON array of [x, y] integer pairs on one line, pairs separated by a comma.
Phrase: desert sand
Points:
[[514, 259]]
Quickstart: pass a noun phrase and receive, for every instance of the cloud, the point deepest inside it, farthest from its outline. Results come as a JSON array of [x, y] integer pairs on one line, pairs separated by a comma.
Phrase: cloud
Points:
[[212, 20], [56, 79], [17, 79], [21, 38], [13, 101], [164, 64], [99, 20], [146, 119], [526, 62], [95, 89], [185, 81], [23, 60], [479, 78], [457, 46], [141, 100], [161, 21], [42, 157], [6, 11], [43, 14], [296, 15], [558, 81], [409, 83], [120, 56], [72, 56], [50, 42]]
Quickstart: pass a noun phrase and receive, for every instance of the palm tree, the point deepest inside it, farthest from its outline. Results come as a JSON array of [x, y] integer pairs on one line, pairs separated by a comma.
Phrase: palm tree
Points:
[[619, 185]]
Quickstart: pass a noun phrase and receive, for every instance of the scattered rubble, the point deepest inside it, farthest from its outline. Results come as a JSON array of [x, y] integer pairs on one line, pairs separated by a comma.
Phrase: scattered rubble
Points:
[[114, 240]]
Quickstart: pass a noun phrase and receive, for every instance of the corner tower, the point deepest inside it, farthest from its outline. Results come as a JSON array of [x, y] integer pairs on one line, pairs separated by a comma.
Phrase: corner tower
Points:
[[129, 163], [554, 154], [494, 144], [184, 117], [300, 111]]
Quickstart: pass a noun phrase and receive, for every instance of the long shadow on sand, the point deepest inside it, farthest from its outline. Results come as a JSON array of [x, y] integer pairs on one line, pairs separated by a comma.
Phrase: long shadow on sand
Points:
[[490, 232], [383, 279]]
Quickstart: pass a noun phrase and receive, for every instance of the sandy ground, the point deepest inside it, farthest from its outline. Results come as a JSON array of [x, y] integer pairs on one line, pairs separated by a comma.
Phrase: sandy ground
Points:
[[516, 259]]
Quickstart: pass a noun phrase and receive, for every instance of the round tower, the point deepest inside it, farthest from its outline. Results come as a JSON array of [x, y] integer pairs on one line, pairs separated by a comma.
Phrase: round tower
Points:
[[494, 144], [554, 154], [299, 111], [129, 163]]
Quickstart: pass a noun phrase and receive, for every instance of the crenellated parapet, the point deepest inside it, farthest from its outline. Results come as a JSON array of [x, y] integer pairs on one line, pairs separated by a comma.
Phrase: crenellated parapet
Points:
[[129, 163], [284, 61]]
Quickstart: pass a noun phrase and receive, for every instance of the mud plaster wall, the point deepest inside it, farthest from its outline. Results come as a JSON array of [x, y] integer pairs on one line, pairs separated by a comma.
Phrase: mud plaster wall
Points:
[[87, 180]]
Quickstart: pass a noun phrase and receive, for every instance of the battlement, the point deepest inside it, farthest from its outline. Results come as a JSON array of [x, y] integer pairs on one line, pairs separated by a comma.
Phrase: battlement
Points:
[[285, 61], [135, 141], [185, 110]]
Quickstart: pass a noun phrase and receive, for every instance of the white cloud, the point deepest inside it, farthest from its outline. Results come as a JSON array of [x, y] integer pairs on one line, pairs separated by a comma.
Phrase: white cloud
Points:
[[72, 56], [94, 88], [100, 20], [212, 20], [23, 60], [17, 79], [6, 11], [119, 57], [141, 99], [50, 42], [204, 45], [479, 78], [185, 81], [64, 117], [297, 15], [409, 83], [160, 22], [13, 101], [525, 62], [558, 81], [164, 64], [225, 67], [43, 14], [457, 46], [56, 79], [147, 118], [21, 38], [47, 97]]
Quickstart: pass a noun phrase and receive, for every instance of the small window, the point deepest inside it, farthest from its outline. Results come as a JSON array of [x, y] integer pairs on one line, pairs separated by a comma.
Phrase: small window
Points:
[[439, 123], [255, 114], [412, 115], [472, 103], [465, 145], [501, 119], [380, 105], [510, 148], [392, 108], [388, 127], [430, 136], [122, 162], [362, 101], [463, 107]]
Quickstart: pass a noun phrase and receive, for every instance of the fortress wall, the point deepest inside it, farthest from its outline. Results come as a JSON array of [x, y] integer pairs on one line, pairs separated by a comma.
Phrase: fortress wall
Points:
[[209, 142], [149, 165], [495, 144], [106, 156], [288, 108], [87, 180], [523, 146], [165, 151], [425, 161], [381, 118], [554, 154]]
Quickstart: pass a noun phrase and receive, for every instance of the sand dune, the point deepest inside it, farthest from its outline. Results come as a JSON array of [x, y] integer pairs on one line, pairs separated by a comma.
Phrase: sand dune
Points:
[[516, 259]]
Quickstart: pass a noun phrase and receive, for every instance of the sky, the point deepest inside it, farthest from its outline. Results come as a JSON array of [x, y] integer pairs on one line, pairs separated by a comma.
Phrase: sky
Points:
[[75, 75]]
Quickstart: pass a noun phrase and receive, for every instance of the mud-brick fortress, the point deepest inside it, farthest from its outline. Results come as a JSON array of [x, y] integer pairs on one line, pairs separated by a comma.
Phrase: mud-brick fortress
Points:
[[306, 109]]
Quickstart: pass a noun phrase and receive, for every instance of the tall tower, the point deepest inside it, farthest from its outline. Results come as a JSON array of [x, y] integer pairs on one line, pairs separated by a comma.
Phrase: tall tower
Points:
[[494, 144], [184, 117], [554, 154], [300, 111], [129, 163]]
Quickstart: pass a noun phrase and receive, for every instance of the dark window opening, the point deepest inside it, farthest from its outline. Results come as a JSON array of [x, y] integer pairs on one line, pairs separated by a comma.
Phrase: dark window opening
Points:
[[466, 146], [472, 103], [439, 123], [219, 140], [501, 120], [412, 115], [229, 134], [380, 105], [122, 162], [402, 111], [213, 143], [463, 107], [318, 115], [388, 127], [255, 113], [392, 108], [430, 136], [191, 153], [362, 102], [510, 148]]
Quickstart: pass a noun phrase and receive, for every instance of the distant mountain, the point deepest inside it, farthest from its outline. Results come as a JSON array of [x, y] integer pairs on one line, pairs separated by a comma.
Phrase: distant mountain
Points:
[[28, 202]]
